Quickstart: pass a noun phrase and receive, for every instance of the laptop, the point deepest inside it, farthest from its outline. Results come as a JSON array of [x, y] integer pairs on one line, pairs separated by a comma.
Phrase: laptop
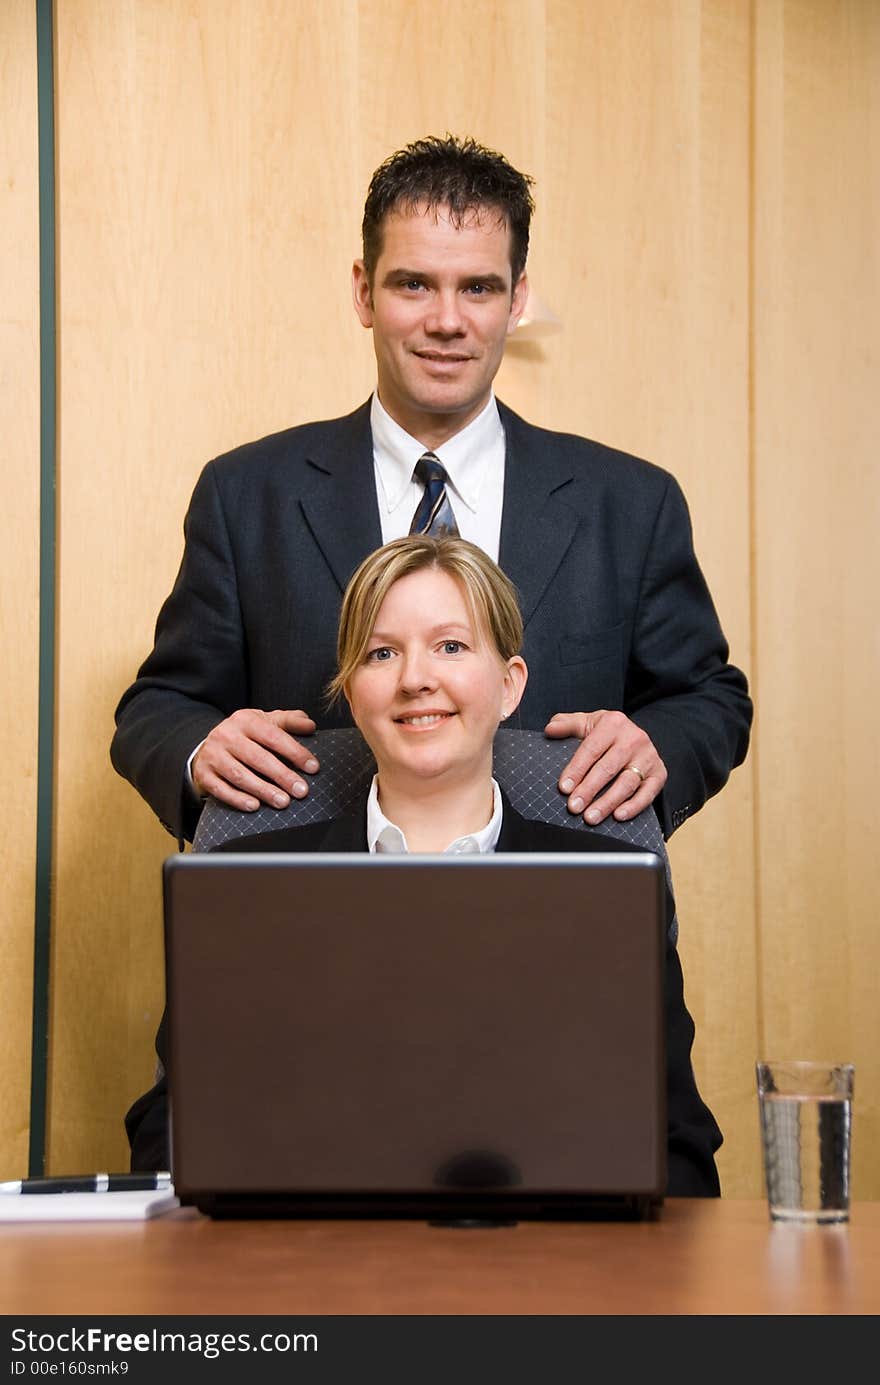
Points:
[[441, 1037]]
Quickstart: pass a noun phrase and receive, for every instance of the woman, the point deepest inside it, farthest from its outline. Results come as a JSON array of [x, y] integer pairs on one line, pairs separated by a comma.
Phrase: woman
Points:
[[428, 660]]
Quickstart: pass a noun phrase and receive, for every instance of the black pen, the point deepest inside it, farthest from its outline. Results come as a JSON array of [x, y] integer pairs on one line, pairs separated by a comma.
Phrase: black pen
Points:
[[92, 1183]]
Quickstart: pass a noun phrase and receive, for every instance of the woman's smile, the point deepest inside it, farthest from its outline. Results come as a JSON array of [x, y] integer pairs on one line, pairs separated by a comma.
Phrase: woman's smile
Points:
[[423, 720]]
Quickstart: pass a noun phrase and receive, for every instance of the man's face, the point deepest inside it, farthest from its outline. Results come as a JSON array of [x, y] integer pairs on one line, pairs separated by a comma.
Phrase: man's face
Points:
[[441, 307]]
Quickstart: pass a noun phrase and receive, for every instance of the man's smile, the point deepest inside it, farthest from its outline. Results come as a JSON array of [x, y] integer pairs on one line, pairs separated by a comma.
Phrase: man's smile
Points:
[[443, 357]]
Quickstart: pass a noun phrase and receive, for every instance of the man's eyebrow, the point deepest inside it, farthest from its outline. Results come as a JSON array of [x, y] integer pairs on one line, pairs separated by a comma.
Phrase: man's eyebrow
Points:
[[401, 272], [493, 281]]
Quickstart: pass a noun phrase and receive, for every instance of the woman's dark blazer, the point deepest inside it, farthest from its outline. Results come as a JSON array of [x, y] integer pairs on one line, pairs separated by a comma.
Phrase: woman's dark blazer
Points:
[[693, 1136]]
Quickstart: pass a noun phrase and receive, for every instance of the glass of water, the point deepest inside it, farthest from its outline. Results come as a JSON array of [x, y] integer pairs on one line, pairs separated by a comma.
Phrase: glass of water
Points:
[[806, 1114]]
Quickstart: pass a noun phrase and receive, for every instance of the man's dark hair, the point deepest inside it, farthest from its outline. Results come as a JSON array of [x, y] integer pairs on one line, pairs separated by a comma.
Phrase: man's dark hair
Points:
[[455, 173]]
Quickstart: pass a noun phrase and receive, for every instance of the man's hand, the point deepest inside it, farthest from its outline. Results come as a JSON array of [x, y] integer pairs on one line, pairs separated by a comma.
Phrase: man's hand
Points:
[[238, 762], [616, 756]]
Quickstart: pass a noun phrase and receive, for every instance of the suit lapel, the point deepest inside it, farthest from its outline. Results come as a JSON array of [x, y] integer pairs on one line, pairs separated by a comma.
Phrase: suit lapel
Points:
[[514, 834], [537, 527], [339, 504]]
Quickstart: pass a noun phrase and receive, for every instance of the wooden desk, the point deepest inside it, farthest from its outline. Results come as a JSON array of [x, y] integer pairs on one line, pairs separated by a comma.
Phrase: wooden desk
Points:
[[702, 1257]]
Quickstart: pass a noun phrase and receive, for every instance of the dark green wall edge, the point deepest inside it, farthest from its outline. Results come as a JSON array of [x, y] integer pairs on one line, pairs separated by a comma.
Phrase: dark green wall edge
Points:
[[46, 732]]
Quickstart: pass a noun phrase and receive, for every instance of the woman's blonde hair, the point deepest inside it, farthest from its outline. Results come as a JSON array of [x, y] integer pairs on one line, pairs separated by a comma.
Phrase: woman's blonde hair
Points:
[[490, 596]]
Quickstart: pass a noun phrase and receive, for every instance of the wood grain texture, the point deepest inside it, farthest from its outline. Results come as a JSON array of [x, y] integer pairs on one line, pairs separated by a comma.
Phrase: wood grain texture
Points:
[[817, 518], [195, 263], [701, 1257], [19, 563], [710, 251], [644, 208]]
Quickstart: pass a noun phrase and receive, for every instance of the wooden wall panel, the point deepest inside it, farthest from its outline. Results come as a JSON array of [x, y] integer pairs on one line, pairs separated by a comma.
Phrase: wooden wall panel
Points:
[[644, 220], [207, 238], [205, 265], [817, 519], [19, 563], [213, 157], [197, 311]]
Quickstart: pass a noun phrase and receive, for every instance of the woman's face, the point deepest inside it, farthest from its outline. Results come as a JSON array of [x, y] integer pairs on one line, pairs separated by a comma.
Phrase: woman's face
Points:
[[432, 688]]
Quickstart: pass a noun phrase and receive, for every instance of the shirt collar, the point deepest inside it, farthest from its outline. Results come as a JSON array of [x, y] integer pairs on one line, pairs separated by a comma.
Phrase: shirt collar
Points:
[[463, 456], [386, 837]]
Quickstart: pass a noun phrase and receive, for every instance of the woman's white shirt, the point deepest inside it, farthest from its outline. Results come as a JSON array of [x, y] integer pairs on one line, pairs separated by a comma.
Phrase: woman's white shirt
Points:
[[384, 836]]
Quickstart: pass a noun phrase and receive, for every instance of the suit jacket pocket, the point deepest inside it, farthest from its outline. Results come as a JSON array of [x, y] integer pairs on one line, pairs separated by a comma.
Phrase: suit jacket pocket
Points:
[[588, 648]]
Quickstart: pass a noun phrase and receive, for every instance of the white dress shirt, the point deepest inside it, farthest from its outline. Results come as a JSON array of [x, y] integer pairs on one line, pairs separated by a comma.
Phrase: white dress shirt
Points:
[[386, 837], [474, 462]]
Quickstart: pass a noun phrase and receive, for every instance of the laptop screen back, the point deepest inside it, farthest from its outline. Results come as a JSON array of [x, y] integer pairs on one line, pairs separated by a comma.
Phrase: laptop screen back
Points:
[[380, 1032]]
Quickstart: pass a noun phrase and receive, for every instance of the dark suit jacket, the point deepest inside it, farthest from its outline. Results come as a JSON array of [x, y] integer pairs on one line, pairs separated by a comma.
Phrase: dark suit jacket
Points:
[[617, 613], [693, 1136]]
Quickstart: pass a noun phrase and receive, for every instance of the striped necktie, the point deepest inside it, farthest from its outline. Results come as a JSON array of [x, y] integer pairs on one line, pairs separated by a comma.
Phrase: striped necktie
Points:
[[434, 513]]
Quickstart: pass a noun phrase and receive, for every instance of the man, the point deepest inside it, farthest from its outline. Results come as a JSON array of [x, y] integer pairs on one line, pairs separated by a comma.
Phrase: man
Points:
[[619, 621]]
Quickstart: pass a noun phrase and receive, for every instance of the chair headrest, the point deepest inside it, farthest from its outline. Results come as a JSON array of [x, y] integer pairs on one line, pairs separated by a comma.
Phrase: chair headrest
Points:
[[527, 765]]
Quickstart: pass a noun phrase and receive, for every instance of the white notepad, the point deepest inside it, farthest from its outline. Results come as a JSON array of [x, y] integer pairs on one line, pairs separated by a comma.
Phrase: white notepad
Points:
[[123, 1206]]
